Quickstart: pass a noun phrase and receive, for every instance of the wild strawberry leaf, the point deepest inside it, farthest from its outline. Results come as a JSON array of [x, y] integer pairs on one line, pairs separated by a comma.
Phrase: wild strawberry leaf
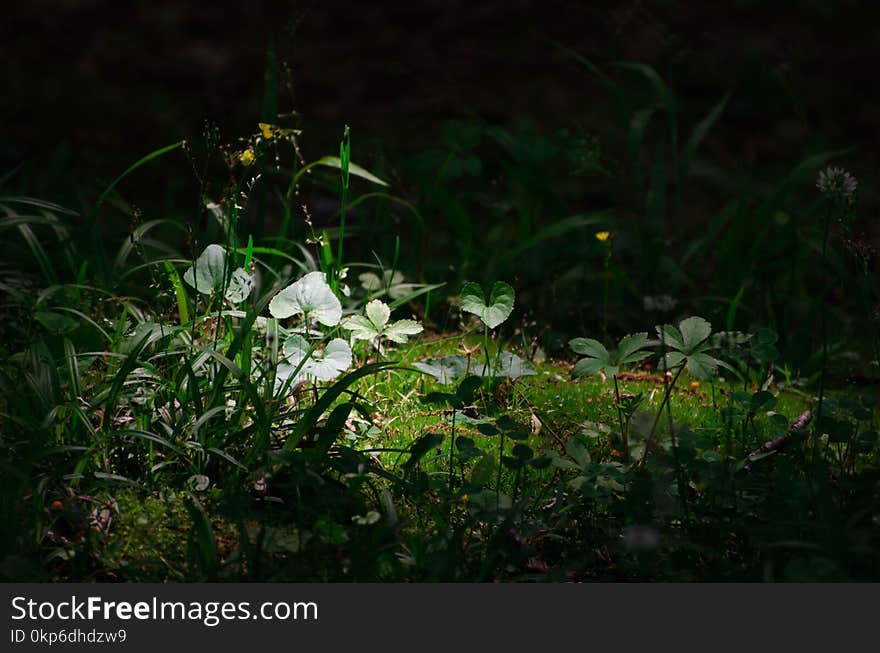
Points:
[[400, 331], [691, 342], [375, 324]]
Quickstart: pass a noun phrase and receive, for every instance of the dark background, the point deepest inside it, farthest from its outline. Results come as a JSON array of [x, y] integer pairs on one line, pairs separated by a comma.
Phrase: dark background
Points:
[[93, 84]]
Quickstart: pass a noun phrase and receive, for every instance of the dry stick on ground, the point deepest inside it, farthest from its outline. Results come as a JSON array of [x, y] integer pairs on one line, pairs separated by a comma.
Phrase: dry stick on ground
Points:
[[781, 442]]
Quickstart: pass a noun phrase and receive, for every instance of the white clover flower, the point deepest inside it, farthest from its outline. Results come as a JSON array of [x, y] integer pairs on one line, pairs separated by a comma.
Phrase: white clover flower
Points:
[[837, 184]]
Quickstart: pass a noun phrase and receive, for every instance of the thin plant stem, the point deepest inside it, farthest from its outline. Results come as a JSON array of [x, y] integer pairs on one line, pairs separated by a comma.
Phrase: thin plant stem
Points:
[[498, 481], [489, 370], [666, 393], [623, 433], [344, 157], [679, 475], [824, 331], [606, 280], [452, 451]]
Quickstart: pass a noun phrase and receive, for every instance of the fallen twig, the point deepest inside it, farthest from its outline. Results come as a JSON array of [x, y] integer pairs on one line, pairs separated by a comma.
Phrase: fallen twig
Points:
[[779, 443]]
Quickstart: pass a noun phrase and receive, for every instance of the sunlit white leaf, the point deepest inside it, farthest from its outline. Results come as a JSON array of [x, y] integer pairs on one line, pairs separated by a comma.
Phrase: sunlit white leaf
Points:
[[400, 331], [320, 364], [240, 286], [361, 328], [391, 281], [310, 296], [207, 275], [378, 313], [375, 325]]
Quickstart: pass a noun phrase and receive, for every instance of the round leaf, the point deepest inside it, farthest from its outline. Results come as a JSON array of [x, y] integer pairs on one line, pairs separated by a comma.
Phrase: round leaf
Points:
[[311, 297], [509, 365], [321, 365], [445, 369], [207, 275], [332, 361]]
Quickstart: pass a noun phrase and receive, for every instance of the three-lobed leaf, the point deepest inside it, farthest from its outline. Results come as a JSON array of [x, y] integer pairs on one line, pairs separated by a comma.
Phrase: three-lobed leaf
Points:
[[374, 324]]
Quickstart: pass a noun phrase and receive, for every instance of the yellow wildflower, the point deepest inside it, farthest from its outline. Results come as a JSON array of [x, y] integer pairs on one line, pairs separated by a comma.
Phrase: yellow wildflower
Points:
[[602, 236], [267, 129], [247, 157]]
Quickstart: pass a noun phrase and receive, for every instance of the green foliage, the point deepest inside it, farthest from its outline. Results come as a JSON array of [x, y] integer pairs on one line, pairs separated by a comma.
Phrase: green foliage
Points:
[[494, 312], [374, 325], [690, 344], [448, 369], [629, 350]]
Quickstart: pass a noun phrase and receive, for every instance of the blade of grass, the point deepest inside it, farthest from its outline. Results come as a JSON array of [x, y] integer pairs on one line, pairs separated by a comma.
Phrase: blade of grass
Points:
[[697, 135], [179, 293], [39, 253], [333, 162], [134, 166], [72, 370]]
